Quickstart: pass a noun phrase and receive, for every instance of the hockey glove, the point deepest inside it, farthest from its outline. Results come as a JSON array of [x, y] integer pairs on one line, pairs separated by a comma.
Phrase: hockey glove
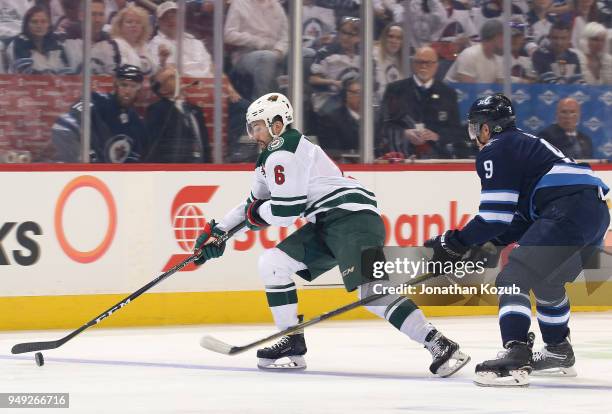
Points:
[[446, 248], [206, 244], [253, 219], [487, 253]]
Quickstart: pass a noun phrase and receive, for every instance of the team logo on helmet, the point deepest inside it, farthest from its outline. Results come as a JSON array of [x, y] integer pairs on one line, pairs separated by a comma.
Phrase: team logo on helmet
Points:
[[276, 144], [273, 98], [485, 101]]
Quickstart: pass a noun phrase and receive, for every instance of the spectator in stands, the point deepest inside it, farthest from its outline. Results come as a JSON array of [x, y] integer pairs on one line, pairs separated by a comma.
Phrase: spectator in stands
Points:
[[74, 47], [424, 18], [118, 134], [385, 13], [98, 12], [521, 67], [258, 32], [338, 132], [162, 48], [481, 62], [540, 20], [333, 64], [596, 64], [557, 63], [199, 20], [388, 57], [319, 25], [493, 9], [37, 50], [197, 62], [458, 23], [585, 11], [393, 8], [604, 13], [342, 8], [69, 25], [456, 35], [11, 17], [113, 7], [176, 128], [564, 135], [53, 6], [420, 115], [130, 33]]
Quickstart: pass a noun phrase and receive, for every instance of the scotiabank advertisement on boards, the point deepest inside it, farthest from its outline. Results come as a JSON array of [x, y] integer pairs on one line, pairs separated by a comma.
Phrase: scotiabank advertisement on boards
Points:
[[91, 232]]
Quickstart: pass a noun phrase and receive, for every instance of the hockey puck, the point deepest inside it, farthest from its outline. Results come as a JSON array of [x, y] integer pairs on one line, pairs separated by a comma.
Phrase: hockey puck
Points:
[[40, 361]]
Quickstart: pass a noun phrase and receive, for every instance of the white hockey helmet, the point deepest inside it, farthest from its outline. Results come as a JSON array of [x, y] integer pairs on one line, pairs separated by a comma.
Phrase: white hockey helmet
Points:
[[268, 107]]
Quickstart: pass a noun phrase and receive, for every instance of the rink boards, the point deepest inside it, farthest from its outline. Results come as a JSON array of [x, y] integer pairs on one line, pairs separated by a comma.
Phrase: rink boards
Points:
[[76, 239]]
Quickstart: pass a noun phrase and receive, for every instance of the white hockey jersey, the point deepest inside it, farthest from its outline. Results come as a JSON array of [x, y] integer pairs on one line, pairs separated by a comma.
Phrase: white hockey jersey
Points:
[[299, 180]]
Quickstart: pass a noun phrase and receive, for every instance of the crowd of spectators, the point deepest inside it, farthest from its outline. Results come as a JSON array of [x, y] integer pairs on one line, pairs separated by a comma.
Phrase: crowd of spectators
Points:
[[421, 48]]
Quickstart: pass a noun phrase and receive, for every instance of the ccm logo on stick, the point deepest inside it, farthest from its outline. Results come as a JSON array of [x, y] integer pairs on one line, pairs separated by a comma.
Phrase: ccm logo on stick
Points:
[[22, 231]]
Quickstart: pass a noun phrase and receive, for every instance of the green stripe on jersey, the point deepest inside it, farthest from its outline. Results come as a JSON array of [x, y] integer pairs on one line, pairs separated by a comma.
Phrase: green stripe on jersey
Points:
[[289, 198], [317, 203], [354, 198], [288, 211]]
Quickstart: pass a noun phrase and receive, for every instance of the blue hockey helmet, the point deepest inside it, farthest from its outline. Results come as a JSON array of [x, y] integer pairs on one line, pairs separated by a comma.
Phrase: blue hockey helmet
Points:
[[129, 72], [494, 110]]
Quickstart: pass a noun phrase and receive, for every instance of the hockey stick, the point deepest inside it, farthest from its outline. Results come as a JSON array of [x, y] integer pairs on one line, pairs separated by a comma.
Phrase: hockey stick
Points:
[[215, 345], [41, 346]]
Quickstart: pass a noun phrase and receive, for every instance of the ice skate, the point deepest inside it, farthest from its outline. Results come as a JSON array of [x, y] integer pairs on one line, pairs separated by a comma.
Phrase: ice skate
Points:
[[447, 358], [287, 353], [555, 360], [511, 368]]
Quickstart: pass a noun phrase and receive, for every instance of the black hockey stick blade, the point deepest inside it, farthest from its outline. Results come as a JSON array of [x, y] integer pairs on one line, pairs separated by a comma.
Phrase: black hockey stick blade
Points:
[[42, 346], [36, 346], [213, 344]]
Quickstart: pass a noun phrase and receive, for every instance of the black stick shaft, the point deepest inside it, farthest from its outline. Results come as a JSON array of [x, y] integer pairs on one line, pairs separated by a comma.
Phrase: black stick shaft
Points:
[[325, 316], [41, 346]]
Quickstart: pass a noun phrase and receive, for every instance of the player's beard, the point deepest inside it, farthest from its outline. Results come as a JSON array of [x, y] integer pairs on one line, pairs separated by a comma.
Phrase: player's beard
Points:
[[262, 144], [126, 101]]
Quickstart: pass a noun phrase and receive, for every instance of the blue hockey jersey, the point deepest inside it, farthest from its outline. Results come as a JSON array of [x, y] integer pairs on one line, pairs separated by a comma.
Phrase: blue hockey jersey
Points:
[[513, 168], [118, 134]]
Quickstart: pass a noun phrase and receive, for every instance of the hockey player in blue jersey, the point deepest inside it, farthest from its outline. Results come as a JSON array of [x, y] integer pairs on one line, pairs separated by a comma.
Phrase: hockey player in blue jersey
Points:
[[554, 209]]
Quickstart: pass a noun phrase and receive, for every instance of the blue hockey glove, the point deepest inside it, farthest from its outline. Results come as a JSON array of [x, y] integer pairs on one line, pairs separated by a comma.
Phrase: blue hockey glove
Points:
[[206, 244], [446, 248], [487, 253]]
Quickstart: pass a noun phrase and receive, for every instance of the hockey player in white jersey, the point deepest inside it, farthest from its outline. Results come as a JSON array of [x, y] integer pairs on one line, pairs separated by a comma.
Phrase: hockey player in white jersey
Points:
[[295, 178]]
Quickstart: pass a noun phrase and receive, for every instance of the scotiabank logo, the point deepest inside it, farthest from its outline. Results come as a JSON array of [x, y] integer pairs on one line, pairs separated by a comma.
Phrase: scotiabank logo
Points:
[[88, 256], [188, 220]]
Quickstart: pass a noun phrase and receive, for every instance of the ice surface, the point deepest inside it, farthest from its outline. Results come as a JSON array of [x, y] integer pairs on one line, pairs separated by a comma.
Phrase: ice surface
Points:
[[353, 367]]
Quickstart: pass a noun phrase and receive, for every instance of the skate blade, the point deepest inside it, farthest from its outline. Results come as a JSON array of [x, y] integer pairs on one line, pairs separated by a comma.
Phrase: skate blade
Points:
[[517, 378], [446, 369], [555, 372], [293, 363]]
